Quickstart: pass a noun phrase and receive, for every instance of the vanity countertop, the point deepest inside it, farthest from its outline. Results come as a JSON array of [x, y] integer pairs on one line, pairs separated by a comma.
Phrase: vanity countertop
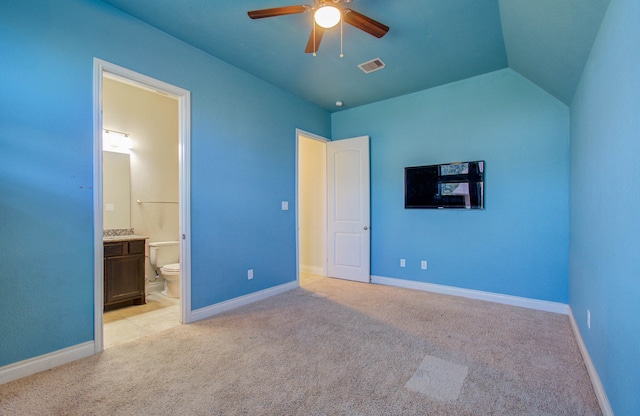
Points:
[[118, 238]]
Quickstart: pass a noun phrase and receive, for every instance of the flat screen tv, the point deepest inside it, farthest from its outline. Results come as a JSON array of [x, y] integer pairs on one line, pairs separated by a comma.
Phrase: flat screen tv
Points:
[[452, 185]]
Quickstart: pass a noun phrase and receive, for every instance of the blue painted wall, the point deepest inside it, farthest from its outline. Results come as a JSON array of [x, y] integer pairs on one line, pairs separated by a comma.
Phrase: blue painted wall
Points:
[[605, 200], [518, 245], [243, 165]]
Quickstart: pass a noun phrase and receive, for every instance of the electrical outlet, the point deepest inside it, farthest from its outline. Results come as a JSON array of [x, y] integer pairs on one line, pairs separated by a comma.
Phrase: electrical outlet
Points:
[[403, 263], [250, 274], [588, 319], [423, 265]]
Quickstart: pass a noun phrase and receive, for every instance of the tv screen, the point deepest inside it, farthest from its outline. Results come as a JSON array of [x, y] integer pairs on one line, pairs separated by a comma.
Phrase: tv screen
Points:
[[452, 185]]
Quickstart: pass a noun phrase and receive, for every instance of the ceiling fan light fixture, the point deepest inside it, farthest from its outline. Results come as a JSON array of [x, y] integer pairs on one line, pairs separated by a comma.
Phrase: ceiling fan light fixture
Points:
[[327, 16]]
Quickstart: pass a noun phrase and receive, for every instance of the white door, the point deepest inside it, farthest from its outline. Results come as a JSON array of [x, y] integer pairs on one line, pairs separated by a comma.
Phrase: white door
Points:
[[348, 214]]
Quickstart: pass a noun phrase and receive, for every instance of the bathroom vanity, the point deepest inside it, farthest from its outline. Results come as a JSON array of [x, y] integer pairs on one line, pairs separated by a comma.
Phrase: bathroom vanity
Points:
[[123, 271]]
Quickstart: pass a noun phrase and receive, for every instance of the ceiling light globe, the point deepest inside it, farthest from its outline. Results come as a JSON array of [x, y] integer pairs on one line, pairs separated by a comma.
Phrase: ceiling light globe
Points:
[[327, 16]]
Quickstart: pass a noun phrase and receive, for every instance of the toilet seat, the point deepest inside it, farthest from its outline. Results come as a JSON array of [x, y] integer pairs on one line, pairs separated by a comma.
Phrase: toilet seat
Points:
[[171, 268]]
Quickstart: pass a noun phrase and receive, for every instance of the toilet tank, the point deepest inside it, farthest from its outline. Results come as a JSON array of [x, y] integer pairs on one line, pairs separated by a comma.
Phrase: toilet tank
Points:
[[164, 252]]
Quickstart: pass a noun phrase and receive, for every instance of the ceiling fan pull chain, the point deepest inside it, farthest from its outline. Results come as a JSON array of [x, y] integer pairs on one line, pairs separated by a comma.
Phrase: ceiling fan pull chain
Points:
[[341, 54], [313, 22], [314, 39]]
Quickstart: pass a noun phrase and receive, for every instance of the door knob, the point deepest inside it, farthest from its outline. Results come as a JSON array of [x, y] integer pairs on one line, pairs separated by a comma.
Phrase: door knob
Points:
[[365, 228]]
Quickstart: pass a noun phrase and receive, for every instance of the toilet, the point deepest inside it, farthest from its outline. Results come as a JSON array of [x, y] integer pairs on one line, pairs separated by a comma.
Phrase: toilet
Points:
[[165, 258]]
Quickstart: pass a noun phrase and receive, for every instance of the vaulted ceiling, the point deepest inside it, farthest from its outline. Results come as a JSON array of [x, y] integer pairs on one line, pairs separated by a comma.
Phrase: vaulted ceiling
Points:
[[430, 43]]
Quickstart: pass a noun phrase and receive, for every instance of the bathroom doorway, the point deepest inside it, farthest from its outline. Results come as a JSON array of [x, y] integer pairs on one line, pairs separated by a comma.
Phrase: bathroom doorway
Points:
[[141, 196]]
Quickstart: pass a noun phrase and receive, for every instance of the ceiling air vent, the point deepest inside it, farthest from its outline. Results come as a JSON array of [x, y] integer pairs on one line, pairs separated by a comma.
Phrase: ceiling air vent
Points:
[[372, 65]]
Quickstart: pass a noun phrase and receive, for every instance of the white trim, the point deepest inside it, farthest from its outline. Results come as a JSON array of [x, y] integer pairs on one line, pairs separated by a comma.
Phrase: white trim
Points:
[[541, 305], [601, 394], [157, 286], [98, 251], [183, 96], [209, 311], [323, 272], [45, 362], [184, 141], [308, 135]]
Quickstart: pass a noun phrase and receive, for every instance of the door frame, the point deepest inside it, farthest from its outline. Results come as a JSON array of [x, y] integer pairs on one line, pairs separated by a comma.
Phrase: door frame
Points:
[[306, 134], [184, 153]]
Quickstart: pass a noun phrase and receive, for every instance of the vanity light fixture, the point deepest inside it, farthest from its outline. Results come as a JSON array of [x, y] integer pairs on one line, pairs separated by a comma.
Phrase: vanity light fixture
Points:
[[116, 141]]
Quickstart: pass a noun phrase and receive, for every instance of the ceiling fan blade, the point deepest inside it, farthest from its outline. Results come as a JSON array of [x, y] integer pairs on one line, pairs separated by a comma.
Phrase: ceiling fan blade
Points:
[[365, 23], [310, 44], [278, 11]]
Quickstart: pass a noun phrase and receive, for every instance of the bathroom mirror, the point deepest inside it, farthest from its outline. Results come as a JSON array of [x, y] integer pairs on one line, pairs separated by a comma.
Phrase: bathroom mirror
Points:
[[116, 191]]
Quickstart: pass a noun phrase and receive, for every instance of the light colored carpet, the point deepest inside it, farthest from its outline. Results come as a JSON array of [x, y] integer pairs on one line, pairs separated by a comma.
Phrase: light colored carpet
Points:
[[330, 347]]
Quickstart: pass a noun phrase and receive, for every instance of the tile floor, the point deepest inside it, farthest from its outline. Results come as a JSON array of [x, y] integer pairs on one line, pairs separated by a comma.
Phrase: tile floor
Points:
[[128, 324]]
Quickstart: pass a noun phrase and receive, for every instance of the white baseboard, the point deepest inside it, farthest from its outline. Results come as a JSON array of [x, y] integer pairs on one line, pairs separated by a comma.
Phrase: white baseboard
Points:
[[45, 362], [603, 400], [157, 286], [312, 269], [541, 305], [212, 310]]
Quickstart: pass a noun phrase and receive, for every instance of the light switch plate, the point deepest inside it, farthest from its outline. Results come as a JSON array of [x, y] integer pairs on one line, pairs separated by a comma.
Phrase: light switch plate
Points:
[[285, 205]]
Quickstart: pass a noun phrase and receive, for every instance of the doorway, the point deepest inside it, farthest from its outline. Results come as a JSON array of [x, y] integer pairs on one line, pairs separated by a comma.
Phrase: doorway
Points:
[[165, 211], [311, 204]]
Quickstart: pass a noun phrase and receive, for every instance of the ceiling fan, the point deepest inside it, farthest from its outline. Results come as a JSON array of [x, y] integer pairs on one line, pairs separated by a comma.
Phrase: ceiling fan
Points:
[[326, 15]]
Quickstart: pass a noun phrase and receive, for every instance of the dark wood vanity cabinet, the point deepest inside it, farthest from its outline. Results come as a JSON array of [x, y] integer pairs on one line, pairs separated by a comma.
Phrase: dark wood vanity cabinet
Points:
[[123, 273]]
